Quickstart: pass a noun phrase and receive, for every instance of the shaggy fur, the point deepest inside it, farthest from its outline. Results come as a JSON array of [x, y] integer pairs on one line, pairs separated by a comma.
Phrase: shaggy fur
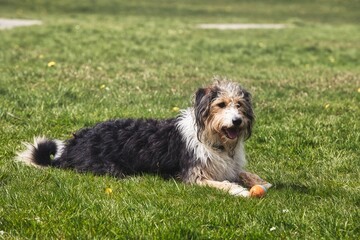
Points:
[[204, 145]]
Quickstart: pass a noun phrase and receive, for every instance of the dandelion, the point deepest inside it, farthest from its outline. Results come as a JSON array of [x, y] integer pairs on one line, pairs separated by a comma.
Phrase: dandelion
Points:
[[358, 90], [327, 106], [175, 109], [103, 86], [51, 64], [108, 191], [272, 229]]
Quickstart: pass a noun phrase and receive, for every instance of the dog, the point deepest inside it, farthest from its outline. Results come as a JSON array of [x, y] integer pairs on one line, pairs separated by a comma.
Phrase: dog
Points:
[[204, 145]]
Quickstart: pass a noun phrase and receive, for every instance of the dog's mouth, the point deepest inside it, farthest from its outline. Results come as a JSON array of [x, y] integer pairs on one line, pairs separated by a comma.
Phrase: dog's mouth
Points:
[[232, 132]]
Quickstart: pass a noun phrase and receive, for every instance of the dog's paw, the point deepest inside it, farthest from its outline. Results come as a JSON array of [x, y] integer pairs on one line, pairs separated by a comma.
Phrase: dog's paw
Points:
[[239, 192]]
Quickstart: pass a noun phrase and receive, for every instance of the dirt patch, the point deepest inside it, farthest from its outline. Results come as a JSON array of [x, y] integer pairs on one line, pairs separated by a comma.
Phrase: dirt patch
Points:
[[12, 23], [237, 26]]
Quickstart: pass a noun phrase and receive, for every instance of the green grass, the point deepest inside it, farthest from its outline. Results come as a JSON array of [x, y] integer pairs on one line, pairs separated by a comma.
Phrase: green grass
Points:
[[142, 58]]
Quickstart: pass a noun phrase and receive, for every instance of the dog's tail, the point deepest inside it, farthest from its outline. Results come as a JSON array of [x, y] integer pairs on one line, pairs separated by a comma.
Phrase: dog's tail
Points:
[[41, 152]]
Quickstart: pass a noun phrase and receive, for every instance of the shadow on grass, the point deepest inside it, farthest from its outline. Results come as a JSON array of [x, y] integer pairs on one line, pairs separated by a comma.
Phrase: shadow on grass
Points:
[[4, 179], [322, 192], [296, 187]]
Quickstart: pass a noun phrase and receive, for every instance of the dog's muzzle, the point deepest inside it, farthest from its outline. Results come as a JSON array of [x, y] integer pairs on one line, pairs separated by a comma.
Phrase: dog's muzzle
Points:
[[233, 132]]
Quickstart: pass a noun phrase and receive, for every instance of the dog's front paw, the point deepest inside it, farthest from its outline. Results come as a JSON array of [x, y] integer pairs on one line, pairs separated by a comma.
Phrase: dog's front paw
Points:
[[239, 191], [249, 180]]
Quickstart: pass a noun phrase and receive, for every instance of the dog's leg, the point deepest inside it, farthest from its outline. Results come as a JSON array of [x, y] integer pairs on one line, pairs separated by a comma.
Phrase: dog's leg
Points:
[[250, 179], [232, 188]]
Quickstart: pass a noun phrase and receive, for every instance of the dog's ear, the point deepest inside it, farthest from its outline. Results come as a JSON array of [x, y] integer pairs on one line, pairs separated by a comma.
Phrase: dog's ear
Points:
[[249, 113], [203, 99]]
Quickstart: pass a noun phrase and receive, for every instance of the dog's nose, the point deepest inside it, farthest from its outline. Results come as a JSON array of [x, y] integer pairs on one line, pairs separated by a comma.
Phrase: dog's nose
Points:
[[237, 121]]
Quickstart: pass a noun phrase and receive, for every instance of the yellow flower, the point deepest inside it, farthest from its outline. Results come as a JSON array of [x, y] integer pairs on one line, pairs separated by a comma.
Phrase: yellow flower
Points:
[[358, 90], [51, 64], [103, 86], [327, 106], [175, 109], [108, 191]]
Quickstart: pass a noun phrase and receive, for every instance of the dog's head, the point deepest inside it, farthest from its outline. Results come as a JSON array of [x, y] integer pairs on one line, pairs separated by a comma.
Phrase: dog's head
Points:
[[223, 113]]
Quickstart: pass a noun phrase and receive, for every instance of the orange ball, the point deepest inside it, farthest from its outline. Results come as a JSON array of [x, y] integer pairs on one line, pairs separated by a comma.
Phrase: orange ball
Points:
[[258, 191]]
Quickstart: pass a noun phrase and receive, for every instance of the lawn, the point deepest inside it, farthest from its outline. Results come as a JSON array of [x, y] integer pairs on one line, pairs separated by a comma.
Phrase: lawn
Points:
[[114, 59]]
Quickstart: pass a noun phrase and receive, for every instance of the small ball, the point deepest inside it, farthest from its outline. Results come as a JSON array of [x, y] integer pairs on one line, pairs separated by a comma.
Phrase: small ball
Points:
[[258, 191]]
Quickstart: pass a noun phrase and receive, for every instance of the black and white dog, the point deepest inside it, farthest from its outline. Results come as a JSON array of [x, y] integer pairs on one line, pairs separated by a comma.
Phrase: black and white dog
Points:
[[204, 145]]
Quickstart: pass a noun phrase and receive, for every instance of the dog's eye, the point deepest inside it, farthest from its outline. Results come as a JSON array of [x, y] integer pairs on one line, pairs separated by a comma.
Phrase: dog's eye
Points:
[[238, 104], [221, 105]]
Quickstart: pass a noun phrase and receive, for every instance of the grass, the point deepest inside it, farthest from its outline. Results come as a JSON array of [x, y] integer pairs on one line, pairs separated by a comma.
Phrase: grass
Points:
[[141, 59]]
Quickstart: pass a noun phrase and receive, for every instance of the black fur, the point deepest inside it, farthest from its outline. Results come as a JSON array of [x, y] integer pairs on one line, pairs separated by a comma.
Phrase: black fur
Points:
[[124, 147]]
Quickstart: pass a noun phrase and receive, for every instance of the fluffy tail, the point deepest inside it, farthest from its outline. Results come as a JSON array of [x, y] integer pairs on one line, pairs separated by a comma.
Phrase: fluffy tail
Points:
[[41, 152]]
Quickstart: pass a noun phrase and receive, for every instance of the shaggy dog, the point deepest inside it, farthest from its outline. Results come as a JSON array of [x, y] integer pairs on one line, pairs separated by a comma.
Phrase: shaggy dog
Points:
[[204, 145]]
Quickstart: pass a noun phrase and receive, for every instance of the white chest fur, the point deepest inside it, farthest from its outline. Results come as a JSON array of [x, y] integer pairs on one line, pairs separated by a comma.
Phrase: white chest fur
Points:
[[214, 163]]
